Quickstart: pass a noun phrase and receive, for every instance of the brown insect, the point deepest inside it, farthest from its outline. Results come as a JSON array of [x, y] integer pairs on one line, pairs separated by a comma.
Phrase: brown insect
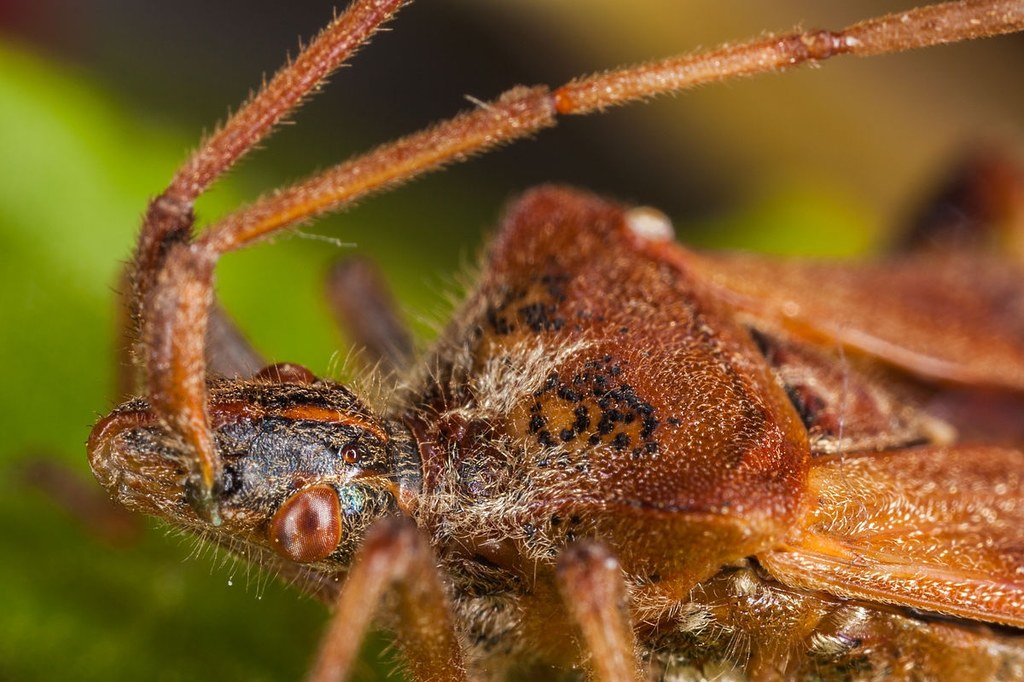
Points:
[[621, 453]]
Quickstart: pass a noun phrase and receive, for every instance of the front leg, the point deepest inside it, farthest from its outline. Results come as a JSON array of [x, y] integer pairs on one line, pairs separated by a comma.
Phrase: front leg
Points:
[[591, 584], [394, 556]]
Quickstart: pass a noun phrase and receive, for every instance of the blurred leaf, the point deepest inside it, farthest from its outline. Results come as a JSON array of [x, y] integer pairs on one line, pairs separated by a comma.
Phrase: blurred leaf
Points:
[[795, 219]]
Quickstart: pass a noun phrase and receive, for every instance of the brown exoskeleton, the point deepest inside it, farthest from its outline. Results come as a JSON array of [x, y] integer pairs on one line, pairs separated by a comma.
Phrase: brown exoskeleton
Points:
[[623, 453]]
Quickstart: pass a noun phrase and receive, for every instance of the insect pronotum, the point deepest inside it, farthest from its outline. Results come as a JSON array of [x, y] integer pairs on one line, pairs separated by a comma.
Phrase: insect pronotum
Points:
[[621, 453]]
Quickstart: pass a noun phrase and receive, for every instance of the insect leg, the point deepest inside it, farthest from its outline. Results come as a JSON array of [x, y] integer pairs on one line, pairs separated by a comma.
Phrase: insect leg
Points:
[[978, 207], [590, 581], [395, 557], [228, 352], [365, 308]]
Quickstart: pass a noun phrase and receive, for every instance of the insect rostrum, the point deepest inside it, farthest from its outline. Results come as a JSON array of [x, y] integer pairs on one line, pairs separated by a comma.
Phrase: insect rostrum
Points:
[[620, 452]]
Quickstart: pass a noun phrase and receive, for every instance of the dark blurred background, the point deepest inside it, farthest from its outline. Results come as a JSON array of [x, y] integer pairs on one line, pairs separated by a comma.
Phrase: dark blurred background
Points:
[[101, 99]]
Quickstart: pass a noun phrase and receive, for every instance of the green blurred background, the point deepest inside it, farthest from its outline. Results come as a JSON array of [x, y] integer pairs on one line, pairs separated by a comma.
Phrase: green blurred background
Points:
[[100, 100]]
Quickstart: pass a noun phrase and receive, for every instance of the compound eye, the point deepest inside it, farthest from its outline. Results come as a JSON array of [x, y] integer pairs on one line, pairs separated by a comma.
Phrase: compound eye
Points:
[[307, 527]]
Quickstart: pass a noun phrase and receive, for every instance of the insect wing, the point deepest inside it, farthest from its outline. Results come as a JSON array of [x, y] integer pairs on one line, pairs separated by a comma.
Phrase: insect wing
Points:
[[939, 316], [931, 528]]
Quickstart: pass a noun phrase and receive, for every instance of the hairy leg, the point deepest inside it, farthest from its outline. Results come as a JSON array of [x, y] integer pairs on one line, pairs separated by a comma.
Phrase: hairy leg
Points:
[[592, 587], [394, 559]]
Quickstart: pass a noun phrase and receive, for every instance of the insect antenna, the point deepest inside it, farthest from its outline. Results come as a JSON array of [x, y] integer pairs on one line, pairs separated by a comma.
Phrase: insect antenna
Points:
[[175, 319], [169, 220]]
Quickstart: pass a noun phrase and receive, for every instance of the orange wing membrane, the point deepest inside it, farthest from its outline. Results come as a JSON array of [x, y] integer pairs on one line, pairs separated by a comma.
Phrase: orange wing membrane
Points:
[[949, 318], [930, 528]]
